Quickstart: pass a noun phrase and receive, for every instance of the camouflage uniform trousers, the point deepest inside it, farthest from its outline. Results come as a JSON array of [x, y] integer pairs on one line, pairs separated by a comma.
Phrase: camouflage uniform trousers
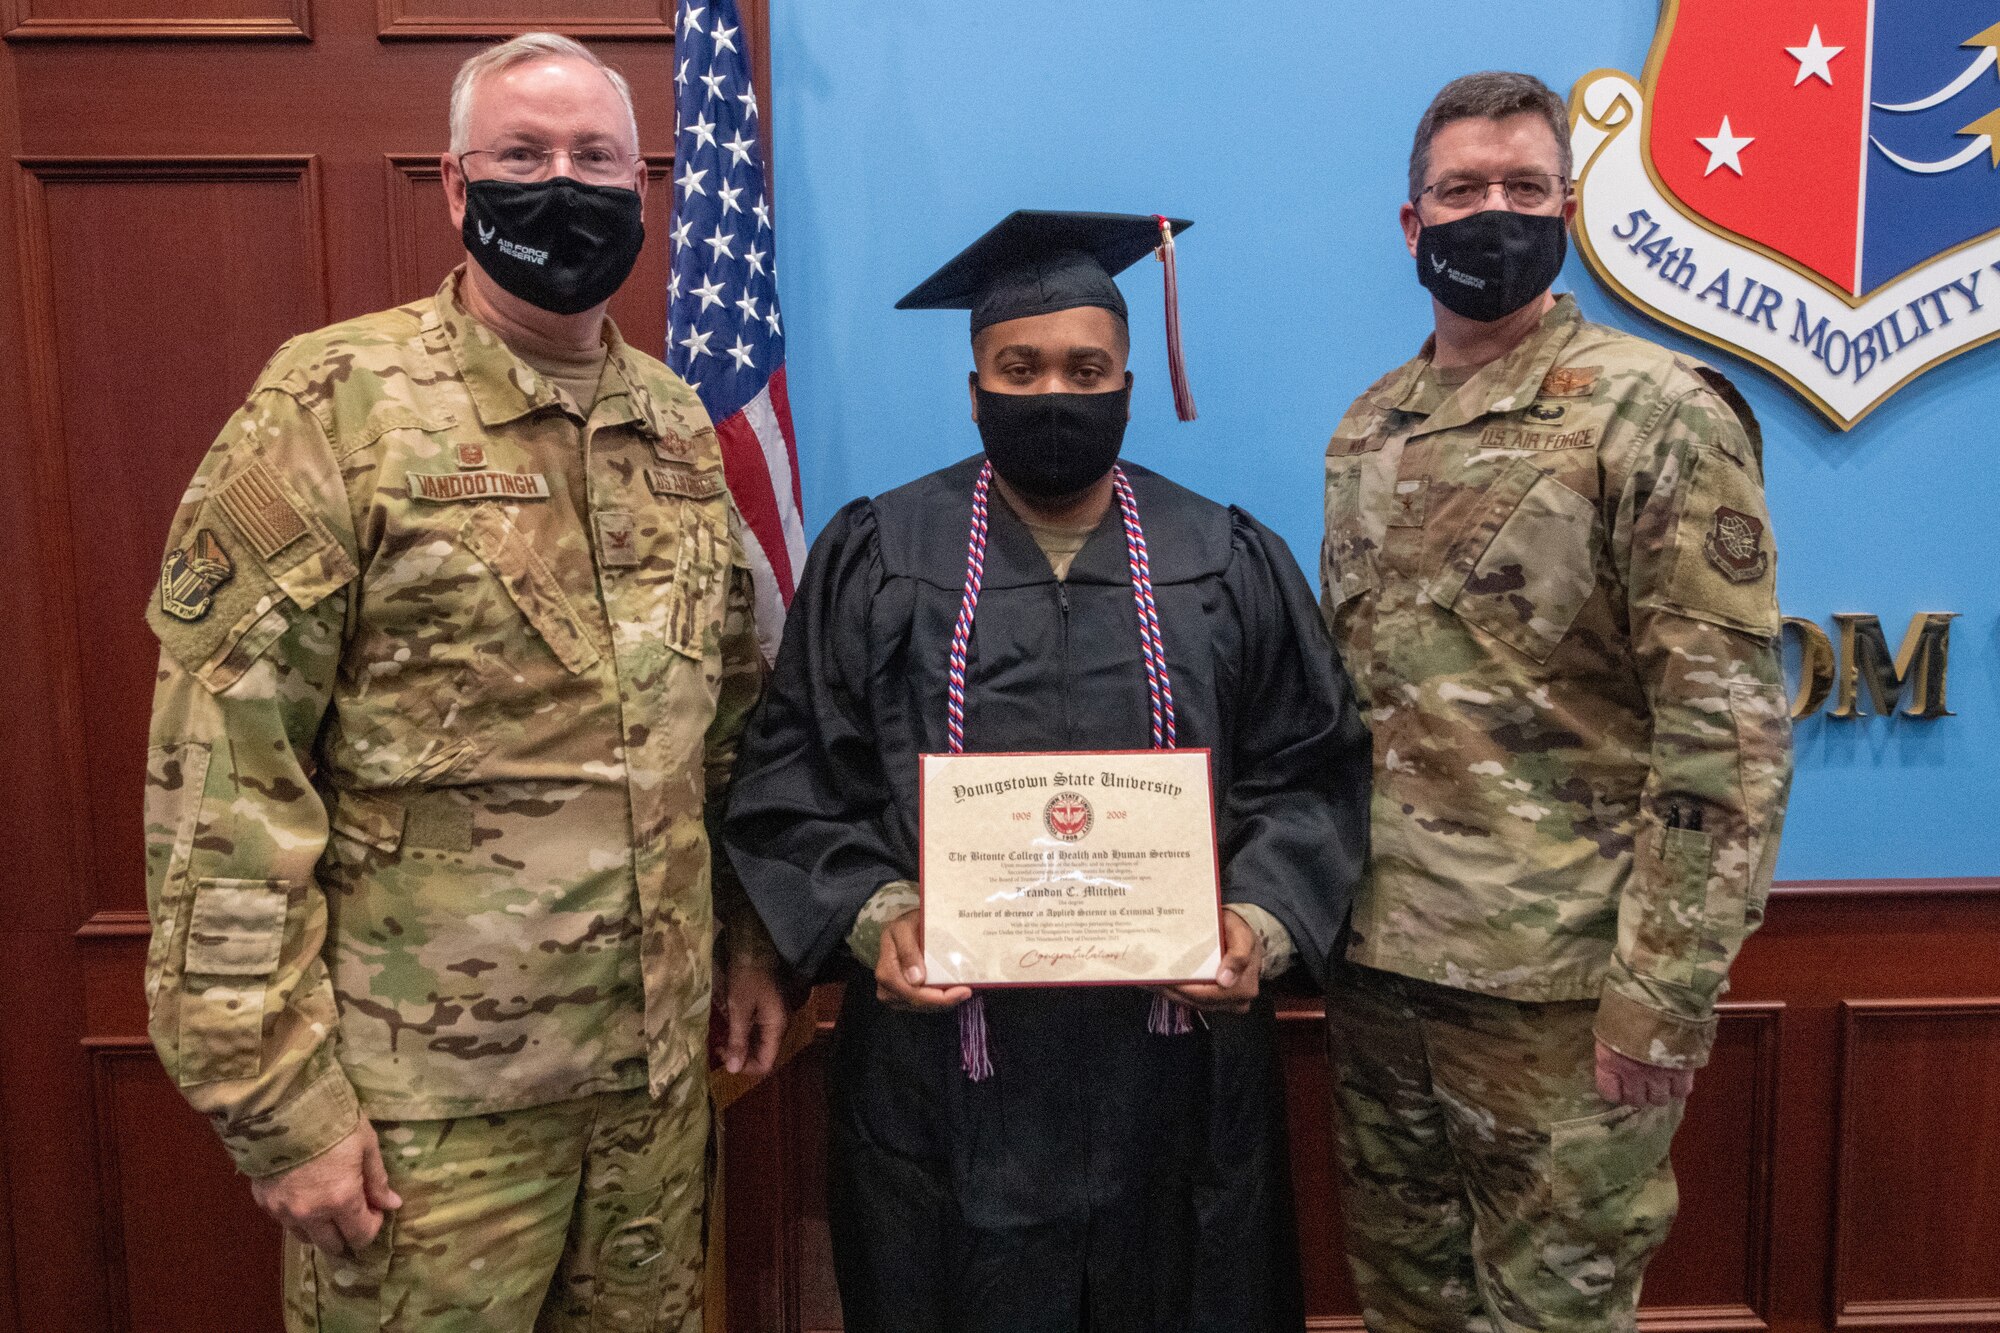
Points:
[[1487, 1187], [583, 1216]]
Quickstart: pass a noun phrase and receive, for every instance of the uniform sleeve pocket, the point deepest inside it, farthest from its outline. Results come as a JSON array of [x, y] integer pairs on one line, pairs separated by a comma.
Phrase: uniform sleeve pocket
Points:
[[1524, 570], [1664, 918], [236, 934], [694, 603], [1348, 555], [529, 583]]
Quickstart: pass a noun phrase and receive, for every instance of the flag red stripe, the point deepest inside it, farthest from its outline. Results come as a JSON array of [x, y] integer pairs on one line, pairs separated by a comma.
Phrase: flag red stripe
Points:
[[756, 497], [781, 405]]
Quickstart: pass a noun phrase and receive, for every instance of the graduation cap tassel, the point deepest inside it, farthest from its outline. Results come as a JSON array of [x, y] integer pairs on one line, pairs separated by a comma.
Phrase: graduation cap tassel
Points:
[[1176, 365], [973, 1056], [1169, 1018]]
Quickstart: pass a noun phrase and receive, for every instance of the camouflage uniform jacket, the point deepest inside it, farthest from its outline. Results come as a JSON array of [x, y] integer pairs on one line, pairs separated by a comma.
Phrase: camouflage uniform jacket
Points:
[[1555, 589], [448, 676]]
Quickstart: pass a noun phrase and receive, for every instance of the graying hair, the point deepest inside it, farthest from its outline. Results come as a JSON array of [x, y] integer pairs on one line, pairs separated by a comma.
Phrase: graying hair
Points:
[[1492, 95], [519, 51]]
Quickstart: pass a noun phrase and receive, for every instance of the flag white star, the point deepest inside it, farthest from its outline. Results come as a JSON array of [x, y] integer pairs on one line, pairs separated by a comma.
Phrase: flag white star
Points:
[[710, 293], [748, 305], [725, 38], [739, 149], [681, 75], [772, 320], [748, 97], [673, 288], [681, 233], [755, 259], [741, 351], [727, 194], [703, 131], [1815, 59], [1725, 149], [691, 17], [697, 345], [719, 244], [690, 181], [763, 212], [714, 82]]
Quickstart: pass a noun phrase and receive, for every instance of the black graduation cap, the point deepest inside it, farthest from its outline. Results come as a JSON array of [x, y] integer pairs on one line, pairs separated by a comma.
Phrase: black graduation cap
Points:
[[1036, 262]]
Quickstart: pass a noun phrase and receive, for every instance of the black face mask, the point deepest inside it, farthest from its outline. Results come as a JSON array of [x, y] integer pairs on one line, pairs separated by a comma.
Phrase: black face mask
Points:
[[560, 245], [1487, 266], [1050, 445]]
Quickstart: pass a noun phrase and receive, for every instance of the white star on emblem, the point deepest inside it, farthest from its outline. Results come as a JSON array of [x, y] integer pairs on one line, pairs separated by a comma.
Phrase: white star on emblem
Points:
[[763, 212], [690, 181], [703, 131], [748, 305], [697, 345], [710, 293], [1725, 149], [719, 245], [714, 82], [755, 259], [748, 97], [1815, 59], [742, 354], [681, 233], [725, 38], [772, 320], [739, 149], [727, 194]]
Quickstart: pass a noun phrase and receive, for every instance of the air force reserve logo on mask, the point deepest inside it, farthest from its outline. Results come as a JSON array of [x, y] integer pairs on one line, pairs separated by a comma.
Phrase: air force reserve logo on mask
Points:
[[1812, 184]]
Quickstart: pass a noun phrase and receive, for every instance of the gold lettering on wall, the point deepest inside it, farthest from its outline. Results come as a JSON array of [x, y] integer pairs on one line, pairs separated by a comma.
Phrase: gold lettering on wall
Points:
[[1919, 669], [1816, 667]]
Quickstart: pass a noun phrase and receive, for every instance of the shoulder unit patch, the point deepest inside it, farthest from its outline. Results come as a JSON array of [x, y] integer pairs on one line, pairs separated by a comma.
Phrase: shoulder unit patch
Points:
[[191, 575]]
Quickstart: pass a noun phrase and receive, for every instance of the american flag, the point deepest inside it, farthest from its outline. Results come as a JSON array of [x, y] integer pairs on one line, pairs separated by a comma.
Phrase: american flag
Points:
[[724, 334]]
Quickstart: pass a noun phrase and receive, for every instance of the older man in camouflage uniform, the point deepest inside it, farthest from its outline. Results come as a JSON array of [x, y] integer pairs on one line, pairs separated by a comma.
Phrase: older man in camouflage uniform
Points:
[[1548, 567], [457, 646]]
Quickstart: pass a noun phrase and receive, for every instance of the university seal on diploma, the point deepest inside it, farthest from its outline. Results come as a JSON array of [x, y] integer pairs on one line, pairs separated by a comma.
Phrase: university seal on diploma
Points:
[[1069, 869]]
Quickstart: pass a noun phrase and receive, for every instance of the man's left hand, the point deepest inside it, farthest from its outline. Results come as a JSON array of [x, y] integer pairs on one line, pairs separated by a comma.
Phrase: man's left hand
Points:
[[752, 1001], [1624, 1081], [1236, 981]]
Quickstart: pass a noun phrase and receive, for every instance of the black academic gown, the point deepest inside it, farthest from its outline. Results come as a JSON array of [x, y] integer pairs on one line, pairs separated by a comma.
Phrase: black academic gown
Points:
[[1104, 1178]]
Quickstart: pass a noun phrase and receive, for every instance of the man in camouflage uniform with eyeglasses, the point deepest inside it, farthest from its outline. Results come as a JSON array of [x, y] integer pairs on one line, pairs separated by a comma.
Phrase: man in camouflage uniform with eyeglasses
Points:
[[457, 645], [1549, 567]]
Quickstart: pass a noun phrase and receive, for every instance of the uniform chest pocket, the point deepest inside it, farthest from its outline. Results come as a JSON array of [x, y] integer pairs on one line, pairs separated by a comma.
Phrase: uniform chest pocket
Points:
[[1354, 528], [1525, 568], [532, 586], [698, 539]]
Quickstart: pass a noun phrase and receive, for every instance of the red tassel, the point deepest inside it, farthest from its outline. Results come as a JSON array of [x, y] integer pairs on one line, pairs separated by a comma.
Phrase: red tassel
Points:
[[1176, 366], [973, 1057]]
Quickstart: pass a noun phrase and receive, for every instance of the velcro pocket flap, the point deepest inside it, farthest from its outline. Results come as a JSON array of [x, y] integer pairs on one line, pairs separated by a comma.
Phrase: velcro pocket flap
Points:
[[491, 536], [237, 928], [1527, 566]]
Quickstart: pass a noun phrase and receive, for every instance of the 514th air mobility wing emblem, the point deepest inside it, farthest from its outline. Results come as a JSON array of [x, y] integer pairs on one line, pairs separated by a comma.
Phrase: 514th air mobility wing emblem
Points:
[[1812, 184]]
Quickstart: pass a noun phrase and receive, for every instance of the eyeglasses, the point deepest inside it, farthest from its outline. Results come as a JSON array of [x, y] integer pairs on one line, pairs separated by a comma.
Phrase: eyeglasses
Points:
[[532, 162], [1525, 190]]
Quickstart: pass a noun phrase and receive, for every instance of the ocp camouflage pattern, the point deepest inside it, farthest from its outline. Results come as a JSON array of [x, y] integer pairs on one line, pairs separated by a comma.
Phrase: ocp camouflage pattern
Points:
[[1555, 587], [428, 776]]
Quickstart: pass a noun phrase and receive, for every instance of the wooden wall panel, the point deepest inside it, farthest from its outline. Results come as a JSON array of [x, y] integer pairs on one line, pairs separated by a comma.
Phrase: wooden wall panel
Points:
[[176, 1251], [1917, 1239], [157, 288], [423, 247], [504, 18], [282, 20]]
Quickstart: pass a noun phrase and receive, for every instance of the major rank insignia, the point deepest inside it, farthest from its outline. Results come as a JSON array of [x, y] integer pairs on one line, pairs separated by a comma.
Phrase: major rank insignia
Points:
[[191, 575]]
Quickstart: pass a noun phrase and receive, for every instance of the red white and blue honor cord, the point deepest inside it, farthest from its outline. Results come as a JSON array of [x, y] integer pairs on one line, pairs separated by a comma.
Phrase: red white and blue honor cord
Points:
[[1168, 1017]]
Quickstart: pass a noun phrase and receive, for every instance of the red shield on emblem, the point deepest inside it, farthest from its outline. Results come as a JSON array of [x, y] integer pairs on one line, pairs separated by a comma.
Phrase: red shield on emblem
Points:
[[1067, 816]]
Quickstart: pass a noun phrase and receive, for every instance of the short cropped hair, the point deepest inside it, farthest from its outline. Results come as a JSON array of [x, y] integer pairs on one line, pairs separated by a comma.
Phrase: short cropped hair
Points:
[[519, 51], [1492, 95]]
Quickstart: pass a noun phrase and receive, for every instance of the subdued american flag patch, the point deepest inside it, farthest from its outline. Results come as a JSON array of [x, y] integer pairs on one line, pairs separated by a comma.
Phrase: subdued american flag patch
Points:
[[259, 509]]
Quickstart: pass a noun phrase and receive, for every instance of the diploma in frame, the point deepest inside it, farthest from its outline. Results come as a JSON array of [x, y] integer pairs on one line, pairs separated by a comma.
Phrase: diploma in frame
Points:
[[1074, 868]]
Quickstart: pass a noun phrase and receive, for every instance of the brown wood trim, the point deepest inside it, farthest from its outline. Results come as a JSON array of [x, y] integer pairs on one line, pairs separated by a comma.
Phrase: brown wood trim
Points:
[[296, 28], [1768, 1015], [394, 23], [1886, 888], [1962, 1316], [111, 1235], [1702, 1319], [115, 926]]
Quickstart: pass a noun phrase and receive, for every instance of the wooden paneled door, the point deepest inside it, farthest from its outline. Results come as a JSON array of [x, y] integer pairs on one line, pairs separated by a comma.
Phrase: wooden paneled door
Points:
[[189, 183]]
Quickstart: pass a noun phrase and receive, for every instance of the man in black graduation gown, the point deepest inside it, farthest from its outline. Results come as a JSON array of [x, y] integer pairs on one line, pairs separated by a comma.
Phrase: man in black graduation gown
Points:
[[1097, 1170]]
